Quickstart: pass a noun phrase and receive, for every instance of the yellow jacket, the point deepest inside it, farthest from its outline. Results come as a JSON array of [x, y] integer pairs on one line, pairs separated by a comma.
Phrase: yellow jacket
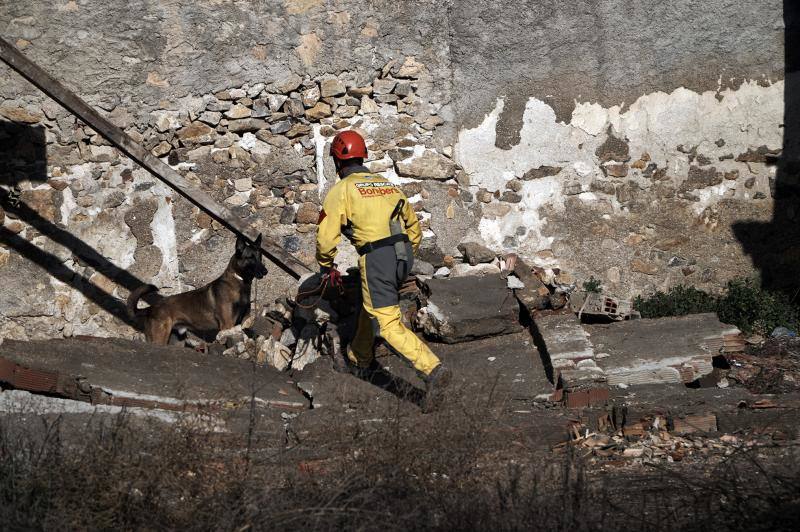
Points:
[[360, 206]]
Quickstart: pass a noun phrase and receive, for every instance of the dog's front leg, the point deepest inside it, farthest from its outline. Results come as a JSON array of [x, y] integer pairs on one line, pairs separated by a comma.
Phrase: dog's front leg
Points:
[[158, 332], [225, 318]]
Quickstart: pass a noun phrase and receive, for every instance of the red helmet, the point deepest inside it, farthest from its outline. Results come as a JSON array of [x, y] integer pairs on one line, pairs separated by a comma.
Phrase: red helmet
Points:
[[348, 145]]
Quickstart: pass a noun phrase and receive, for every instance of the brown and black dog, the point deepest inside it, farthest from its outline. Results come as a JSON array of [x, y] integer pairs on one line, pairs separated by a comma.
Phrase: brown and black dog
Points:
[[219, 305]]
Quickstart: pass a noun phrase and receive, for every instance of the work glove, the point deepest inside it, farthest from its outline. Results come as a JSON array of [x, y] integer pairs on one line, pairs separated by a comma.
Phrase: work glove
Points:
[[332, 276]]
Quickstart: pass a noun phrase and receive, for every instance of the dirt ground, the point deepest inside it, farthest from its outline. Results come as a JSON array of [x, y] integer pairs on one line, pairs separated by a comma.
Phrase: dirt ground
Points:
[[364, 457]]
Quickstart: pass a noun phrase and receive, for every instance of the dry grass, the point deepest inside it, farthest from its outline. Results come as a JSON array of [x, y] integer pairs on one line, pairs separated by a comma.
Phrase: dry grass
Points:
[[441, 472]]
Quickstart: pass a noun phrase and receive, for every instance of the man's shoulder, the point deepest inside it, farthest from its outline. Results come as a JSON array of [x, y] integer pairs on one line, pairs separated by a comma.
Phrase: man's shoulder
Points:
[[362, 176], [367, 179]]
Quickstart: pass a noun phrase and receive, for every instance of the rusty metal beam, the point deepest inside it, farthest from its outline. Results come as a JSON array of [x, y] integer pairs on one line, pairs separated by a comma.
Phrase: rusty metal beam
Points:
[[75, 105]]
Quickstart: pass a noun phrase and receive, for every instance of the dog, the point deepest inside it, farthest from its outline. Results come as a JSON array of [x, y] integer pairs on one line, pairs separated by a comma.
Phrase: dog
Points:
[[205, 311]]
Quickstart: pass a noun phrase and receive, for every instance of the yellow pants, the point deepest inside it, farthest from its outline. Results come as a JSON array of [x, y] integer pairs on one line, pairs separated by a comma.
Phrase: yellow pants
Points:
[[380, 280]]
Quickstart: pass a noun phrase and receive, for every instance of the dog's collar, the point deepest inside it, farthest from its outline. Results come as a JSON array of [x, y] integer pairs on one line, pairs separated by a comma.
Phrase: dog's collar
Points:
[[238, 276]]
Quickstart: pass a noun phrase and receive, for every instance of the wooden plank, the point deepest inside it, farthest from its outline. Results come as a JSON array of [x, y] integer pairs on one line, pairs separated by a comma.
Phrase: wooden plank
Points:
[[706, 422], [75, 105]]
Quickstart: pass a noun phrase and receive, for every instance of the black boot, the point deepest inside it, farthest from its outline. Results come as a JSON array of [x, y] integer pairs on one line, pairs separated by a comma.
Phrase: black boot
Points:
[[436, 383], [368, 373]]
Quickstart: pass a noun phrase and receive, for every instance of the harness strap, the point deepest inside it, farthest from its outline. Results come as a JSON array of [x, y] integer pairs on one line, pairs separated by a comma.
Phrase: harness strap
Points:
[[321, 289], [383, 242], [397, 209]]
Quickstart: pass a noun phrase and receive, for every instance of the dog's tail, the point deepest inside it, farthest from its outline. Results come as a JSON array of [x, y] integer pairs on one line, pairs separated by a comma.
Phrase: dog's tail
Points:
[[133, 300]]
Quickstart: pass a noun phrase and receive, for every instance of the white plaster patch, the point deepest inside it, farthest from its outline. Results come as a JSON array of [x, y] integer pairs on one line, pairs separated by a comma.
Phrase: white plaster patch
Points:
[[543, 141], [744, 118], [709, 196], [67, 205], [164, 238], [583, 168], [197, 236], [730, 122], [591, 117], [535, 194], [320, 141]]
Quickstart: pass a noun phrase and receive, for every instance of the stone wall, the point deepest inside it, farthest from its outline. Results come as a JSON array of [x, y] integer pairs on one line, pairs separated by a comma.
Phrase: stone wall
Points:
[[603, 137]]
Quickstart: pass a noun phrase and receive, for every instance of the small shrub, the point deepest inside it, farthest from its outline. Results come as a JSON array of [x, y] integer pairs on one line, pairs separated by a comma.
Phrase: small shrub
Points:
[[743, 304], [593, 285], [677, 301], [754, 310]]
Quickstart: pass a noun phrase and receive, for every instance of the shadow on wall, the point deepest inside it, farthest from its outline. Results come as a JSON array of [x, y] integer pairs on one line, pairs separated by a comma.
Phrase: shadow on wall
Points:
[[23, 154], [23, 157], [775, 246]]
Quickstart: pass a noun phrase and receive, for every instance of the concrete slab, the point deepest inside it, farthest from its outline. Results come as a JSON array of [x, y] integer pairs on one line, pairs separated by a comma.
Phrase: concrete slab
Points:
[[509, 367], [501, 370], [462, 309], [134, 374], [327, 388], [563, 339], [664, 350]]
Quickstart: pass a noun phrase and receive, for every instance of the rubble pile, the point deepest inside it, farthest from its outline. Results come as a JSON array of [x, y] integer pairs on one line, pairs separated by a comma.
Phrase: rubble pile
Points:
[[768, 365], [290, 334], [660, 446]]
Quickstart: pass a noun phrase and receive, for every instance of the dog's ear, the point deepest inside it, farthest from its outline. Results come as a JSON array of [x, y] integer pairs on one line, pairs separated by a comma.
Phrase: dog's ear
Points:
[[257, 243], [241, 244]]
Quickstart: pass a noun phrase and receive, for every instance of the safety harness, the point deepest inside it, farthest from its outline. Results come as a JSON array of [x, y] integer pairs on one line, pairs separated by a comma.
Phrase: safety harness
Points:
[[396, 239]]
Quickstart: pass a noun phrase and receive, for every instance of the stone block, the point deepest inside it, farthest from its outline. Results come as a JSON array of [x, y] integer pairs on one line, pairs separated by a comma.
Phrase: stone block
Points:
[[196, 133], [475, 253], [319, 111], [428, 165], [331, 87], [461, 309]]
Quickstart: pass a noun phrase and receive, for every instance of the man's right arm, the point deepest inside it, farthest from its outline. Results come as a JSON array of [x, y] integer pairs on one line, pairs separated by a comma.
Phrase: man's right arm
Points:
[[329, 226]]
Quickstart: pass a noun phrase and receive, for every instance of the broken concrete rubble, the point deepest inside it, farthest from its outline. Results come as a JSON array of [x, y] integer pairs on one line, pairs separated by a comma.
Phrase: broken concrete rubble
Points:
[[21, 402], [535, 295], [596, 304], [308, 348], [462, 269], [460, 309], [509, 365], [586, 359], [274, 353], [665, 350], [563, 340], [121, 372]]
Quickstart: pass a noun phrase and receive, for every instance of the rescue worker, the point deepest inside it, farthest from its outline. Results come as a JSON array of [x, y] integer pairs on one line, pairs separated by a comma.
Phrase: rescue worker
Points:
[[380, 222]]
